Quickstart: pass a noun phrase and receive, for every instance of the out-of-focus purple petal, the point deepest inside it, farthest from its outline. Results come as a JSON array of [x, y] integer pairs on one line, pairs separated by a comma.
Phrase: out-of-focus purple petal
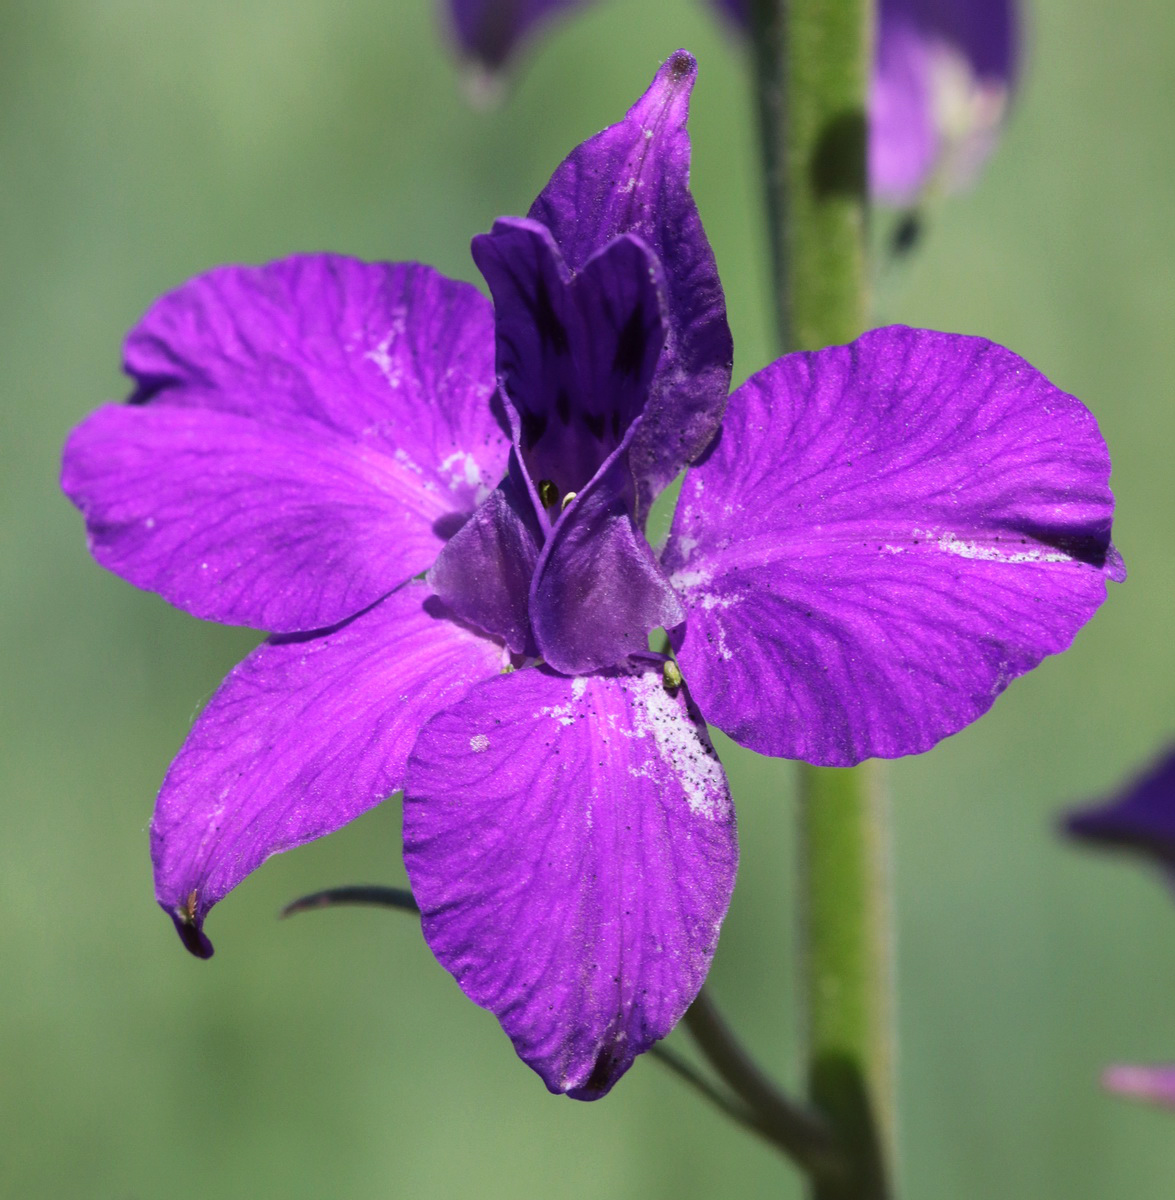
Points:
[[599, 590], [1154, 1084], [634, 178], [490, 31], [1142, 818], [238, 521], [885, 535], [484, 573], [312, 430], [735, 11], [574, 355], [571, 844], [943, 75], [303, 736]]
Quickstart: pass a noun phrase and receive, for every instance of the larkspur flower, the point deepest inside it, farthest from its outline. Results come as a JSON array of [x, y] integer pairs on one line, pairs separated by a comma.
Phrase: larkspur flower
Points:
[[438, 506], [944, 72]]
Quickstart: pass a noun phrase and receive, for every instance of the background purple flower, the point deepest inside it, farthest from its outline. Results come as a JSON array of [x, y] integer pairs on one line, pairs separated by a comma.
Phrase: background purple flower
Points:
[[869, 547], [944, 73], [1141, 818], [1154, 1084]]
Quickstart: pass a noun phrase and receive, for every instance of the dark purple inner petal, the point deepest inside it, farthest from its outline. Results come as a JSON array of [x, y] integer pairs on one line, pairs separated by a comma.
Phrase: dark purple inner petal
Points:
[[599, 589], [484, 572], [575, 353], [633, 178]]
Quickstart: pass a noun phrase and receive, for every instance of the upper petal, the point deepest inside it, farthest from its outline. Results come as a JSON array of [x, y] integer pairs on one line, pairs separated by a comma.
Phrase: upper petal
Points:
[[575, 355], [634, 178], [303, 736], [331, 416], [1141, 818], [885, 535], [571, 844], [490, 31]]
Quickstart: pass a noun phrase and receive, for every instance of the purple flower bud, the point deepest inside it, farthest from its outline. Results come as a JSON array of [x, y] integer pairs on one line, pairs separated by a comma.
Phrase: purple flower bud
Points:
[[1141, 818], [944, 73]]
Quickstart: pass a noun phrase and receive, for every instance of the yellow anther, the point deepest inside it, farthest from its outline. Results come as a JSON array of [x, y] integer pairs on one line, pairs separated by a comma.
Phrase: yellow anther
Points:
[[548, 493], [567, 500], [671, 673]]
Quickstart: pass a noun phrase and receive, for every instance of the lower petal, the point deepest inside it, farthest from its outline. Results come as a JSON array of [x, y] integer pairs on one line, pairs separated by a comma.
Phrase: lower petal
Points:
[[303, 736], [571, 844]]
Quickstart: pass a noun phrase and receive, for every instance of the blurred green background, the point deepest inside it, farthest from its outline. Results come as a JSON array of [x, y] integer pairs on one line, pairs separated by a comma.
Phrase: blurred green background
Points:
[[142, 142]]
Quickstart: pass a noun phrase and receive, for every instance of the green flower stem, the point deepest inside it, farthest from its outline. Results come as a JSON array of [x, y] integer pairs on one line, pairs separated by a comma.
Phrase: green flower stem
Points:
[[848, 947], [812, 63]]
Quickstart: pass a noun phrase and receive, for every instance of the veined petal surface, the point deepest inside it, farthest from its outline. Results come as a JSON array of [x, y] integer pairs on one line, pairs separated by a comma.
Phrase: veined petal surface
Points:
[[304, 438], [571, 844], [305, 734], [884, 536], [634, 178]]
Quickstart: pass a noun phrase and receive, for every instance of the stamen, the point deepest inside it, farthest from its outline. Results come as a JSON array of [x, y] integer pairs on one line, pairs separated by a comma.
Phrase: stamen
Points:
[[567, 500], [548, 493], [671, 673]]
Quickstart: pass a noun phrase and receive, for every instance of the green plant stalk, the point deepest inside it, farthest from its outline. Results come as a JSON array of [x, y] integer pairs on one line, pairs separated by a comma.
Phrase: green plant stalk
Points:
[[812, 62], [848, 948]]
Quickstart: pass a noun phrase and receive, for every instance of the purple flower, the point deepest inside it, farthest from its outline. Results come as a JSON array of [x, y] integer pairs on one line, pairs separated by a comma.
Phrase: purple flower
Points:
[[1153, 1084], [943, 76], [438, 505], [1141, 818]]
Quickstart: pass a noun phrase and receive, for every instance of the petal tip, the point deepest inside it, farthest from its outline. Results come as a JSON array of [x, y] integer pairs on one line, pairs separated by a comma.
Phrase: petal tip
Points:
[[668, 95], [681, 65], [189, 924]]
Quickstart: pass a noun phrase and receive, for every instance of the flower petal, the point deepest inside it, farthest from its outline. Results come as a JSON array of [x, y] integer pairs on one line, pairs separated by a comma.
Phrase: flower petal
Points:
[[571, 844], [490, 31], [334, 414], [598, 589], [1142, 818], [237, 521], [483, 574], [303, 736], [1154, 1084], [885, 535], [634, 178], [574, 355]]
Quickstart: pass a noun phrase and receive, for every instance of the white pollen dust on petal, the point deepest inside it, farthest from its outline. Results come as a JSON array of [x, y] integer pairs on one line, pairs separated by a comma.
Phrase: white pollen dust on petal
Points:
[[479, 743], [681, 747], [956, 545]]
